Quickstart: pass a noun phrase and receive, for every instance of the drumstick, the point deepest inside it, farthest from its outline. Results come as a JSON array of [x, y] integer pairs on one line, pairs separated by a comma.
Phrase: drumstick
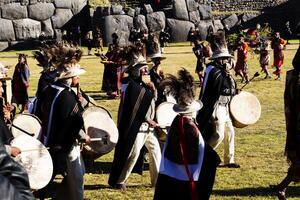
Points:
[[254, 76], [96, 139], [38, 149], [30, 134]]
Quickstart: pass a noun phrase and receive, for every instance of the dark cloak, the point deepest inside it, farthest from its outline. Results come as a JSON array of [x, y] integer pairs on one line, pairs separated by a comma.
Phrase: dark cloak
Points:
[[210, 93], [292, 115], [170, 188], [135, 105]]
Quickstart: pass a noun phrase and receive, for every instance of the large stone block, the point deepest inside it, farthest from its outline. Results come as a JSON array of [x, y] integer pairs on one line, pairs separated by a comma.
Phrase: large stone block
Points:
[[205, 12], [194, 16], [139, 21], [179, 29], [203, 26], [230, 21], [41, 11], [63, 4], [61, 17], [3, 46], [217, 25], [180, 10], [117, 10], [14, 11], [27, 29], [156, 21], [120, 24], [131, 12], [41, 1], [6, 30], [248, 16], [47, 28], [192, 5], [58, 34], [147, 9], [78, 5]]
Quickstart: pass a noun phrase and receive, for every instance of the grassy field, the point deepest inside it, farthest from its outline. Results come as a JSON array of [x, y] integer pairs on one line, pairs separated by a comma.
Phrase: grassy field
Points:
[[259, 148]]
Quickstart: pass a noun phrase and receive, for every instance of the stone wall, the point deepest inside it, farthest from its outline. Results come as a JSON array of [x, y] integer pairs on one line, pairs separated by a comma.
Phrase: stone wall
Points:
[[23, 20], [244, 5]]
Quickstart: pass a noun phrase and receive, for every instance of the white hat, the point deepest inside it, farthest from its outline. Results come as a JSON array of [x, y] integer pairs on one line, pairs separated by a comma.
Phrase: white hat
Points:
[[72, 71], [192, 107], [157, 56]]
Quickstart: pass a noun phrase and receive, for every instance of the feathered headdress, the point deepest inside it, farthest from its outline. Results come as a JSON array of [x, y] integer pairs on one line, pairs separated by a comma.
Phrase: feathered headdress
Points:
[[62, 57], [219, 45], [183, 90]]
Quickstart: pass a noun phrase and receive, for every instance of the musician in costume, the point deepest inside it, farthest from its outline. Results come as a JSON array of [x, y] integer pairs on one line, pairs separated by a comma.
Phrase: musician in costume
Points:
[[241, 66], [198, 50], [278, 44], [188, 165], [218, 89], [113, 68], [292, 116], [136, 125], [157, 74], [164, 38], [61, 114], [264, 56], [20, 82]]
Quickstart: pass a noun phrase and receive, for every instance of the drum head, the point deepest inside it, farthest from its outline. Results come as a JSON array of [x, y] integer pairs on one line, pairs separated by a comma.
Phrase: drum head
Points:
[[165, 114], [99, 125], [27, 122], [35, 159], [245, 109]]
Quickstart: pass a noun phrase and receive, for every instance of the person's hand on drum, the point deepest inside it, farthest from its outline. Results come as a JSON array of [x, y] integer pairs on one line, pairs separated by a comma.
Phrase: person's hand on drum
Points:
[[151, 123], [87, 139], [6, 113], [15, 151]]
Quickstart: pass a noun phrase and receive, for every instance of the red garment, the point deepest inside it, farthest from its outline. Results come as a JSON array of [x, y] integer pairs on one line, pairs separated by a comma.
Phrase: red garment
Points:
[[277, 45], [242, 57]]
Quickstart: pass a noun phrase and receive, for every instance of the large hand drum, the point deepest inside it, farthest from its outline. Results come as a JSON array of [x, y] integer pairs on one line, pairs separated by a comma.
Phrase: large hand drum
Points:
[[102, 130], [164, 117], [35, 159], [245, 109], [26, 124]]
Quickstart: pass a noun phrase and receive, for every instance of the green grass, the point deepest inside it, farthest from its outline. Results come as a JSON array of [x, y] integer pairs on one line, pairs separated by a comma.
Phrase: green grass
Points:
[[259, 148]]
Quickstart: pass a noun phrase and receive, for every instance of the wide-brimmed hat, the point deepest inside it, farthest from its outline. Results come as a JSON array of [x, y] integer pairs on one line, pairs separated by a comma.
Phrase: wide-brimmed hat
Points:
[[195, 106], [219, 46], [69, 72], [136, 63], [157, 56]]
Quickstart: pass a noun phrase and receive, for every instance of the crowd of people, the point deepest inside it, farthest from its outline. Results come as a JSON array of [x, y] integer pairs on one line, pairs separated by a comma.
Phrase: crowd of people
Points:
[[184, 167]]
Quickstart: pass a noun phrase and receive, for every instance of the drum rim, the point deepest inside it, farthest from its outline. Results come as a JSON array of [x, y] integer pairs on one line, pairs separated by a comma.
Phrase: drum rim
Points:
[[27, 114], [97, 107]]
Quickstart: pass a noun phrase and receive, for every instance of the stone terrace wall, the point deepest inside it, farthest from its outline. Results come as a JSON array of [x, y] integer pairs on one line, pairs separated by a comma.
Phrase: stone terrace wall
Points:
[[242, 5], [23, 20]]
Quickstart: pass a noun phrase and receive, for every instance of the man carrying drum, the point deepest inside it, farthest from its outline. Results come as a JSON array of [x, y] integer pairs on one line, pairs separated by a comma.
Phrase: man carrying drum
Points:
[[136, 125], [61, 114], [217, 90]]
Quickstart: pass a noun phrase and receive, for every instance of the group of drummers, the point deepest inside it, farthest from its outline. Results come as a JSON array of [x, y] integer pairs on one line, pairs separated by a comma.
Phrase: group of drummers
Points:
[[182, 164]]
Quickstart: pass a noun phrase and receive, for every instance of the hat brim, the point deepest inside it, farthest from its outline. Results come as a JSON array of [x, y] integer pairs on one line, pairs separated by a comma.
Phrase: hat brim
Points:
[[195, 106], [158, 58], [73, 73], [137, 66], [221, 55]]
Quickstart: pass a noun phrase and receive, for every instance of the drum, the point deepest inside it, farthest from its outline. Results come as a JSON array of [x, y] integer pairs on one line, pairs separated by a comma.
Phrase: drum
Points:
[[245, 109], [27, 124], [164, 117], [35, 159], [103, 131]]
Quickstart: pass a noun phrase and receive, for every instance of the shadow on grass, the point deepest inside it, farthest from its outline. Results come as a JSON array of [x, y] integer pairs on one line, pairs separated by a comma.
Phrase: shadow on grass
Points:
[[102, 186], [104, 167], [293, 191]]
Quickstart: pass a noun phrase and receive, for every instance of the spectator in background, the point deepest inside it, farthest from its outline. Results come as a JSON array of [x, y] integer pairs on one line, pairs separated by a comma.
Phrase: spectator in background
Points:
[[20, 82]]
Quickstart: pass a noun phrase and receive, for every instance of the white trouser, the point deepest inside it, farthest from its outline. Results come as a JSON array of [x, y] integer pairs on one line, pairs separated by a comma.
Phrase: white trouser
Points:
[[72, 186], [145, 136], [222, 121]]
